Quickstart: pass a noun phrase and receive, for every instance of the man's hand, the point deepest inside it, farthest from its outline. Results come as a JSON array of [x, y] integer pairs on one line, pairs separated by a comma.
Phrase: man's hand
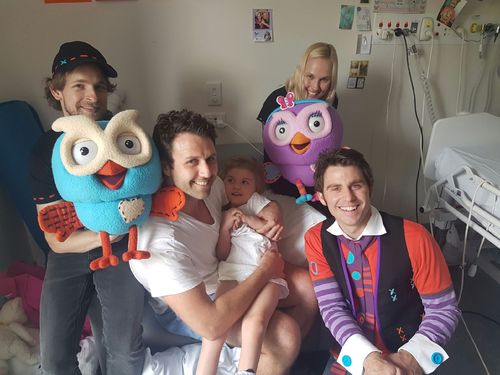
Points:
[[273, 263], [272, 230], [274, 221], [375, 364], [407, 362]]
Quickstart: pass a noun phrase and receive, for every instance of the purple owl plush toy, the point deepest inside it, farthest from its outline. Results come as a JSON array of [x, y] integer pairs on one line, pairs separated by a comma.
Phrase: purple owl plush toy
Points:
[[294, 135]]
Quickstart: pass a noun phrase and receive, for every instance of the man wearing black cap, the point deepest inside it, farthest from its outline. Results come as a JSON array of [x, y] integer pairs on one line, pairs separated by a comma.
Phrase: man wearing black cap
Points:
[[88, 70], [113, 298]]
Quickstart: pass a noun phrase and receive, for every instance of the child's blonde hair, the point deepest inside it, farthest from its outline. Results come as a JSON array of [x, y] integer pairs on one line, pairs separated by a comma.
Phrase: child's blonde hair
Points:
[[250, 165]]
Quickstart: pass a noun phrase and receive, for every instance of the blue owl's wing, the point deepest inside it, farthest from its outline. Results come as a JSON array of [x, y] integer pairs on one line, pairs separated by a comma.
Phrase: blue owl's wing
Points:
[[59, 218], [167, 202]]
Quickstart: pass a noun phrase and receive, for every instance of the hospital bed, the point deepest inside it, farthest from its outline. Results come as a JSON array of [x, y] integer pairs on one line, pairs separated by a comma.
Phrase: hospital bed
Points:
[[463, 161]]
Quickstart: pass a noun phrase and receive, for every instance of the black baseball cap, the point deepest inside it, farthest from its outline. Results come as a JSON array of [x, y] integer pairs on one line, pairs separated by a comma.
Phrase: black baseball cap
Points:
[[72, 54]]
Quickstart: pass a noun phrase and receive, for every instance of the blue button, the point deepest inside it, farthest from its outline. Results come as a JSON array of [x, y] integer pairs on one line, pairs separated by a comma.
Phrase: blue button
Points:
[[356, 275], [350, 258], [437, 358], [346, 361]]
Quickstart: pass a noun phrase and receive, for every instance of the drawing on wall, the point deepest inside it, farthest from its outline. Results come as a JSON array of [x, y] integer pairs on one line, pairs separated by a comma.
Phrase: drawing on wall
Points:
[[449, 11], [363, 21], [399, 6], [262, 25], [346, 17]]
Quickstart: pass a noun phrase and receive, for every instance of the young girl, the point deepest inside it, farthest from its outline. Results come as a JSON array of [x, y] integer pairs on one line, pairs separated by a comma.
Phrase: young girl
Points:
[[239, 250]]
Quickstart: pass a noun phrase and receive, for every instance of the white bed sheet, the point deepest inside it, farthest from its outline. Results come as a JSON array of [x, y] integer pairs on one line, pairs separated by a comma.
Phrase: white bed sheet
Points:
[[485, 162]]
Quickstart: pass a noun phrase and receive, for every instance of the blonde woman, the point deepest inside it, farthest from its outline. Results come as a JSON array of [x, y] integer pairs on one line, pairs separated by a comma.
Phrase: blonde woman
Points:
[[314, 78]]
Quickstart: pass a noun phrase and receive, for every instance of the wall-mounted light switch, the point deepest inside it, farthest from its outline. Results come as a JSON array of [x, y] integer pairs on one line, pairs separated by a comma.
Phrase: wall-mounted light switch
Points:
[[214, 93]]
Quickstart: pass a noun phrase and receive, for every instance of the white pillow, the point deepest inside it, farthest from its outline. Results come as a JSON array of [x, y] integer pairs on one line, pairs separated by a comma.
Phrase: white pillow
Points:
[[297, 219]]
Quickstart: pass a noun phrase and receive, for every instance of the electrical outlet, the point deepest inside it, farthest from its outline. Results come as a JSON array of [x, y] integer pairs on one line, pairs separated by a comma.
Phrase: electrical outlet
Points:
[[426, 28], [384, 34], [218, 119]]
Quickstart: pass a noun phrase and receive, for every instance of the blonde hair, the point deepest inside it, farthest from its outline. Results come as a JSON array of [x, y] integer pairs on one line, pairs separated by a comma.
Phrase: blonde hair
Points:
[[250, 165], [317, 50]]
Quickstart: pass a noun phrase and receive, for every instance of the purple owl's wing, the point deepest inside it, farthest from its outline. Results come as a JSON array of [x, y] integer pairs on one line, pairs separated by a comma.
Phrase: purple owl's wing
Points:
[[59, 218], [271, 173]]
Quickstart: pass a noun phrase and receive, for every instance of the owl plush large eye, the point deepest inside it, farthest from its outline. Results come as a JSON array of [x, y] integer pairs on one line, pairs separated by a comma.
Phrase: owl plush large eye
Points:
[[84, 152], [316, 122], [129, 144], [281, 131]]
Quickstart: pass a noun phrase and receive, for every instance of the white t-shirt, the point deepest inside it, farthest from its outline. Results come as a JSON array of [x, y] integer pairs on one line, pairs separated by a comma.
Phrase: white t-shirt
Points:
[[182, 251], [247, 246], [254, 205]]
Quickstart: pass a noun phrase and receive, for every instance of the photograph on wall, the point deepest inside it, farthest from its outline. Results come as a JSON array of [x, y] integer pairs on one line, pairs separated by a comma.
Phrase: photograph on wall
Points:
[[262, 25], [346, 17], [351, 82], [449, 11], [359, 68], [364, 44], [357, 74], [360, 82]]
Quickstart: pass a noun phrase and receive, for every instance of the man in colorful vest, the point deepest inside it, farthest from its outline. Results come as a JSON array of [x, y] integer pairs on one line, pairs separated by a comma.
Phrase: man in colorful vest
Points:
[[382, 284]]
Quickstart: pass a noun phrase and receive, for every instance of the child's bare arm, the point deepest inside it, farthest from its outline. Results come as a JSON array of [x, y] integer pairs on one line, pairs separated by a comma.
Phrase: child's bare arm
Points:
[[231, 219]]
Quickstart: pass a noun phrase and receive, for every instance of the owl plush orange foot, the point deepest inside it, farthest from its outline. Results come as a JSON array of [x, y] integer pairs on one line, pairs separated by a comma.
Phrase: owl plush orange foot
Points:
[[108, 259], [132, 252], [103, 262]]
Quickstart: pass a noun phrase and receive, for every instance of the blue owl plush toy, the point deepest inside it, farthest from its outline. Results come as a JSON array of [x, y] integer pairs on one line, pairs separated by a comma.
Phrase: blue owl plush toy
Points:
[[294, 135], [106, 172]]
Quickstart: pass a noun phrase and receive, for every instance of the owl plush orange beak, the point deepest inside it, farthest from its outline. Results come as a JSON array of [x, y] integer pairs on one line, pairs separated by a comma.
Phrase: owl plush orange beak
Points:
[[300, 143], [112, 175]]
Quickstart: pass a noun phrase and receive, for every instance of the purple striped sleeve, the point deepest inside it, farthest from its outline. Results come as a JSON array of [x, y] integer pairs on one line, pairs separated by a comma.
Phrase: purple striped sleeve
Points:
[[441, 316], [334, 310]]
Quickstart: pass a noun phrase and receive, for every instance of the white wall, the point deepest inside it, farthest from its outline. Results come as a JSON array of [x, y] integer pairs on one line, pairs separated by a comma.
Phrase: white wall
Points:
[[165, 51]]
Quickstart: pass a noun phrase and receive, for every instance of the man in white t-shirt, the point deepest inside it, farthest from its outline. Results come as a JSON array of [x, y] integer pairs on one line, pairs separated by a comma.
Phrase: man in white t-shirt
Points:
[[182, 270]]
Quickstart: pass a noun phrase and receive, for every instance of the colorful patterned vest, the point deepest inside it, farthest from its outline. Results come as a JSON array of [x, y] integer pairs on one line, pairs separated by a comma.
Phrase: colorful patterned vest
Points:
[[398, 308]]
